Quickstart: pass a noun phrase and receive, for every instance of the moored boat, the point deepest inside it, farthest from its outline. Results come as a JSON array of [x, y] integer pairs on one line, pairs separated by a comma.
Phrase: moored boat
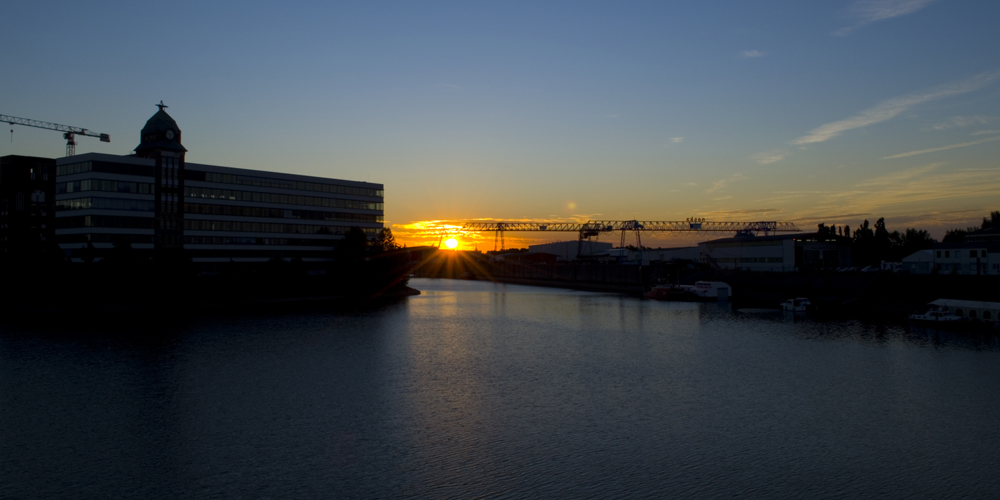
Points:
[[936, 317], [800, 304], [965, 312]]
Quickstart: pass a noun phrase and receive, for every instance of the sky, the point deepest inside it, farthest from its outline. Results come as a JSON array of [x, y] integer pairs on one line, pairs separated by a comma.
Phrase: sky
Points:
[[806, 112]]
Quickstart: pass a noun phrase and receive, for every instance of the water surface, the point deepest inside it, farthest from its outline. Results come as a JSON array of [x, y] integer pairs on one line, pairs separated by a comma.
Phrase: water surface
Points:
[[497, 391]]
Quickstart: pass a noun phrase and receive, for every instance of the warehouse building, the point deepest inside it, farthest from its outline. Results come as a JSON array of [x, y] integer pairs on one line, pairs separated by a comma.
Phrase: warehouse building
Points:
[[779, 253]]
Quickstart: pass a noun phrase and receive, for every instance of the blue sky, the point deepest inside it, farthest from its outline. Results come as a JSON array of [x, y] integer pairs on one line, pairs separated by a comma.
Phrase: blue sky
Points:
[[772, 110]]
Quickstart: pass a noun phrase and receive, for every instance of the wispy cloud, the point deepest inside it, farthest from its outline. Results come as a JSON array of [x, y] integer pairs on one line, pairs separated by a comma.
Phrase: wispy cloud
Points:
[[676, 140], [836, 219], [941, 148], [889, 109], [722, 183], [986, 132], [613, 115], [752, 53], [962, 121], [769, 157], [904, 191], [870, 11], [743, 211]]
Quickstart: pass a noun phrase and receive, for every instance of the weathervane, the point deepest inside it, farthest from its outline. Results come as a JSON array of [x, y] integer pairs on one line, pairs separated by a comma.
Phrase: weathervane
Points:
[[161, 105]]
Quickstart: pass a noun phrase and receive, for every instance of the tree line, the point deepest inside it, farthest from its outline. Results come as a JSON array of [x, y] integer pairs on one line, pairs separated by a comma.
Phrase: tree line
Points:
[[871, 245]]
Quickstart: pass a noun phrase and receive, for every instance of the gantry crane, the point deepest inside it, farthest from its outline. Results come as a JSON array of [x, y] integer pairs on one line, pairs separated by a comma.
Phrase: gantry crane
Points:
[[596, 227], [69, 133]]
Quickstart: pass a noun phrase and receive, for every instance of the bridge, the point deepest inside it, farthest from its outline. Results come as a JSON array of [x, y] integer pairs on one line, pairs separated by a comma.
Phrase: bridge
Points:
[[596, 227]]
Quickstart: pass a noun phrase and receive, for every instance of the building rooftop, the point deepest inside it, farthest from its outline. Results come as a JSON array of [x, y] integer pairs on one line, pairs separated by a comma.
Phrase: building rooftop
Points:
[[782, 237]]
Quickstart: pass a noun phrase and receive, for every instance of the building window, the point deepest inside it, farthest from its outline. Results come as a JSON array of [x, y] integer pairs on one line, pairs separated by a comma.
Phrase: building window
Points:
[[947, 254], [986, 315], [972, 253], [972, 314], [983, 253], [939, 254], [958, 312]]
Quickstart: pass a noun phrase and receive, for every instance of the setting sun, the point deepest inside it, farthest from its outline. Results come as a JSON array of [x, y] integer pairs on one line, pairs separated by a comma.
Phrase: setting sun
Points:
[[451, 243]]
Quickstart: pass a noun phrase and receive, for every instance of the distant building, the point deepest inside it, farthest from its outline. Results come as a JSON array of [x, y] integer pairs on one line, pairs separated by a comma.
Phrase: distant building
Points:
[[988, 235], [664, 255], [156, 200], [967, 258], [566, 251], [27, 205], [919, 262], [530, 258], [780, 253]]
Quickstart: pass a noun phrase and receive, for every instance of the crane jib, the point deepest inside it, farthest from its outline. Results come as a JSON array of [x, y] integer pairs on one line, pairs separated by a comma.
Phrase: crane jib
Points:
[[69, 132]]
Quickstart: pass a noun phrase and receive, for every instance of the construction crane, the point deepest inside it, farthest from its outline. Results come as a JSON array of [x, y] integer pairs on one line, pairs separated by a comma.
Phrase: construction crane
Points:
[[69, 133], [596, 227]]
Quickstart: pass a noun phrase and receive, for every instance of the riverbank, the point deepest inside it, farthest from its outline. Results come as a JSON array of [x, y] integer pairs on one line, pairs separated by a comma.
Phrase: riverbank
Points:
[[863, 293]]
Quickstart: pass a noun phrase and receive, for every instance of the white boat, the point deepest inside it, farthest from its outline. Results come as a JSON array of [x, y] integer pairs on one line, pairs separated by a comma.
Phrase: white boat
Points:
[[711, 290], [800, 304], [934, 316], [971, 312]]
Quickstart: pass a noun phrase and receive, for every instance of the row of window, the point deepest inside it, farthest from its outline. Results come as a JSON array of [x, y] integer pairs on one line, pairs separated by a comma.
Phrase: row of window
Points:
[[750, 260], [222, 240], [335, 216], [106, 167], [284, 199], [105, 203], [247, 180], [195, 175], [749, 243], [972, 254], [269, 227], [239, 211], [268, 254], [105, 221], [104, 185], [972, 314], [277, 213], [104, 238]]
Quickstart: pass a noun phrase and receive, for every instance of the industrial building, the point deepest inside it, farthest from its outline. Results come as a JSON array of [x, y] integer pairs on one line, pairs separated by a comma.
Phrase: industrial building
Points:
[[568, 251], [780, 253], [157, 201]]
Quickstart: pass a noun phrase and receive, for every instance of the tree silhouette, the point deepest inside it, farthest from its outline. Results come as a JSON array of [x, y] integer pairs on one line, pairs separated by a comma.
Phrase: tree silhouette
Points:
[[954, 236], [353, 247], [384, 241], [957, 235], [914, 240], [863, 251], [993, 221]]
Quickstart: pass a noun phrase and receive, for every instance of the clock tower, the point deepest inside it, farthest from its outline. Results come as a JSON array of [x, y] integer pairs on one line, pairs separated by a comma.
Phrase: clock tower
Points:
[[161, 141]]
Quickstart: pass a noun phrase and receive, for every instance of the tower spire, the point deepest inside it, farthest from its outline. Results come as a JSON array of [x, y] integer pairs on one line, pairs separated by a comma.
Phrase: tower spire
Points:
[[161, 105]]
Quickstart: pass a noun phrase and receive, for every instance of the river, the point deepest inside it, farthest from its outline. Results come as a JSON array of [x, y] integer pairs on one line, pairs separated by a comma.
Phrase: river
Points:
[[475, 389]]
